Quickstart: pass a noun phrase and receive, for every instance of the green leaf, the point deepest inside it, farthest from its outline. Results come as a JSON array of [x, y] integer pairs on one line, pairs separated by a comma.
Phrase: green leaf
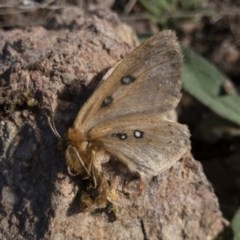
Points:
[[236, 225], [159, 10], [205, 83]]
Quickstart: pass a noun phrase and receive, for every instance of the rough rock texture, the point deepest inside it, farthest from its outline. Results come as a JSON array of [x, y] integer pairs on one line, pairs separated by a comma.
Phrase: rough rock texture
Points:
[[43, 71]]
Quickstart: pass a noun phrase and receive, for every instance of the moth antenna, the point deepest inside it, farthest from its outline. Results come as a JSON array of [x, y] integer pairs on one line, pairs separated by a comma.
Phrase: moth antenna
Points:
[[52, 123], [53, 128]]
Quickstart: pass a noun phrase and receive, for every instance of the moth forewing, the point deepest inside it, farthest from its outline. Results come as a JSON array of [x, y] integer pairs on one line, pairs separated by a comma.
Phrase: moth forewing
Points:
[[151, 71]]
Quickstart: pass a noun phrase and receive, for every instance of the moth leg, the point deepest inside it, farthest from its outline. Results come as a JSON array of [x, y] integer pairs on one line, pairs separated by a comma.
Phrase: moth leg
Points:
[[142, 185], [134, 185], [81, 161], [89, 169], [92, 169], [94, 179]]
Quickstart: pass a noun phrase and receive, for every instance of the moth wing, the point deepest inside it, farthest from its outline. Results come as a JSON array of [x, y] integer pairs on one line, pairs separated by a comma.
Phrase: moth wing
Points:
[[146, 145], [146, 81]]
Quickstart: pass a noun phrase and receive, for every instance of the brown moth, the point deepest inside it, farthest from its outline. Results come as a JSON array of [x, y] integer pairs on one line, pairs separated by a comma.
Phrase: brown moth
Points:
[[126, 116]]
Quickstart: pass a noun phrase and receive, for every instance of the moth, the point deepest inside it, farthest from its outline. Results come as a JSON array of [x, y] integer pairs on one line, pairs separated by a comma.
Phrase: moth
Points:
[[126, 117]]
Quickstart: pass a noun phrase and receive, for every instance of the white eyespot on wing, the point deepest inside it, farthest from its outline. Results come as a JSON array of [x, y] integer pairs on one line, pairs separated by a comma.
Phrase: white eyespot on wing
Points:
[[107, 101], [126, 80], [138, 133], [120, 135]]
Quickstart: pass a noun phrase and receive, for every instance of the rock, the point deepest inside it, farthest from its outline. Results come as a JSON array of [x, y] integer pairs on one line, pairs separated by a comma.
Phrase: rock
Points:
[[57, 70]]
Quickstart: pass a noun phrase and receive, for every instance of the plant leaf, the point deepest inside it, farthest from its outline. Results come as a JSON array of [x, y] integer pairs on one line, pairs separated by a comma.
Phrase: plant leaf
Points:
[[205, 83], [236, 225]]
